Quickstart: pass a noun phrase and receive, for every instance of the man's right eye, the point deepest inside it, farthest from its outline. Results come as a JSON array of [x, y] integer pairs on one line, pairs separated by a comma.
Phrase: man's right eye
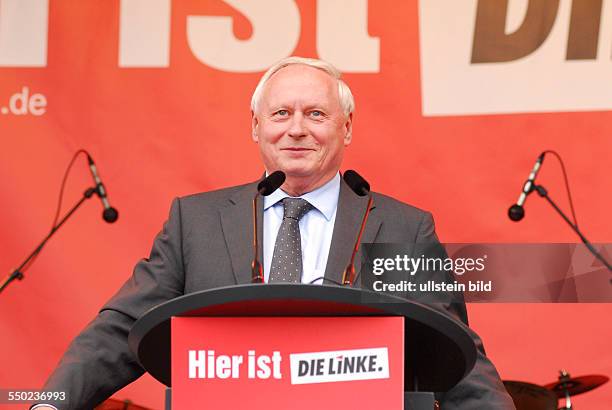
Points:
[[282, 112]]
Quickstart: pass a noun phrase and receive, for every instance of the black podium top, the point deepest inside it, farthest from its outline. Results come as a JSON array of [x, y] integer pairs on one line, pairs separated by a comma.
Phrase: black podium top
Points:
[[438, 350]]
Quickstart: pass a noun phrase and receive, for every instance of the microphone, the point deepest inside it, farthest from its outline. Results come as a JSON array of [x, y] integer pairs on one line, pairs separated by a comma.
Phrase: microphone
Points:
[[271, 183], [356, 182], [516, 212], [361, 187], [109, 214], [268, 185]]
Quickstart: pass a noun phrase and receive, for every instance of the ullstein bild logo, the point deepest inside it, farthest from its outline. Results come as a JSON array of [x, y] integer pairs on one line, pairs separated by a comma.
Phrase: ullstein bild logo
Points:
[[339, 366], [515, 56]]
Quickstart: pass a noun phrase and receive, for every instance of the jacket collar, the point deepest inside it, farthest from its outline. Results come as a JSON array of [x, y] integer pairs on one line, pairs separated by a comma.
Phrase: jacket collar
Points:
[[351, 209], [237, 226]]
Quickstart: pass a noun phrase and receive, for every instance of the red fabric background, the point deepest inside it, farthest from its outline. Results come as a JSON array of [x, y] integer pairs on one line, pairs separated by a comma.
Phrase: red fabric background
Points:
[[166, 132]]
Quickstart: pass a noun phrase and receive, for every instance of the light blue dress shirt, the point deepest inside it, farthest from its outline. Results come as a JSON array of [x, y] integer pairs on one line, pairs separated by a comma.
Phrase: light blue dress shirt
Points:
[[316, 228]]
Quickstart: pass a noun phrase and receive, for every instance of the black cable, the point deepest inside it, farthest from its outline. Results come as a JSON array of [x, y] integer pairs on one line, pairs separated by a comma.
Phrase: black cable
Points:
[[18, 273], [59, 203], [324, 280], [331, 280], [544, 193], [63, 185], [567, 187]]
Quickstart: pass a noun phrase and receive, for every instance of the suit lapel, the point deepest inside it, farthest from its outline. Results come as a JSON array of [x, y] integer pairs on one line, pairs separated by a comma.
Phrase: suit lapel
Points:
[[351, 208], [237, 225]]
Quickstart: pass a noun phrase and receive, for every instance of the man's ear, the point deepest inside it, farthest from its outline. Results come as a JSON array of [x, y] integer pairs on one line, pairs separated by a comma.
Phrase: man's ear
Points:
[[348, 129], [254, 124]]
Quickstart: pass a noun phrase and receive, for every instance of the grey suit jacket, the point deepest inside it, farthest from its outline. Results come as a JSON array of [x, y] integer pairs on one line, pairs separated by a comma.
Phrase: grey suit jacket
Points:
[[206, 243]]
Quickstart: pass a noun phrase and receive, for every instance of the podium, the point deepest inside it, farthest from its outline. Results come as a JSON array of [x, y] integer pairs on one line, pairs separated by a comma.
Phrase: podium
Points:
[[437, 350]]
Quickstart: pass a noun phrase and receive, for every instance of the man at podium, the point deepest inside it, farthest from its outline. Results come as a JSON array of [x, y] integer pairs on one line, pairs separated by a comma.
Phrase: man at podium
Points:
[[302, 116]]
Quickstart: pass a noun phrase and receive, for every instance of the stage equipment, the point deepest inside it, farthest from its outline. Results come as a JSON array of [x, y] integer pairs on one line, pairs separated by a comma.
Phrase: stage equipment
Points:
[[529, 396], [361, 187], [568, 386], [114, 404], [267, 185], [516, 211], [110, 215]]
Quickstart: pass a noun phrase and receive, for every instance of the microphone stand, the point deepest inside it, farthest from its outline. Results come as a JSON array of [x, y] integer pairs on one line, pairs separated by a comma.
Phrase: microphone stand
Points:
[[257, 275], [544, 193], [17, 273], [348, 277]]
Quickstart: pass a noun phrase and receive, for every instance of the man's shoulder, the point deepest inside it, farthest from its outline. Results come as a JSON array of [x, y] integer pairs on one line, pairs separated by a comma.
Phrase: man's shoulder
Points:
[[403, 222], [394, 207], [218, 198]]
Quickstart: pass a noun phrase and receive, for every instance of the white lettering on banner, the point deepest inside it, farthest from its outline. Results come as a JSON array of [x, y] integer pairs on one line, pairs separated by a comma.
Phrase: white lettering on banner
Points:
[[348, 45], [515, 56], [23, 33], [144, 33], [206, 364], [24, 102], [339, 365], [276, 31]]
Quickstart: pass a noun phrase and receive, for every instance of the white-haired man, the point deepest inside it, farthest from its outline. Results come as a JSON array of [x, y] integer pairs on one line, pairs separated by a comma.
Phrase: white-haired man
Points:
[[302, 120]]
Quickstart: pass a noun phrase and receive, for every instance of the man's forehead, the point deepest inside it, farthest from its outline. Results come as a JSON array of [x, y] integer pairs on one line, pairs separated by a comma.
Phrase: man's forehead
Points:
[[302, 79], [300, 70]]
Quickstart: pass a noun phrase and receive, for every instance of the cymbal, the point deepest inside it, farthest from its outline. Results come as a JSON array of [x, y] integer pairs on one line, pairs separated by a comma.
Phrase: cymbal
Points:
[[576, 385], [114, 404], [529, 396]]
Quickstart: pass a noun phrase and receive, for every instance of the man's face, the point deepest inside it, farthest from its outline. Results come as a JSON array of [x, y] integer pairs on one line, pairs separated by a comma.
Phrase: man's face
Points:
[[300, 126]]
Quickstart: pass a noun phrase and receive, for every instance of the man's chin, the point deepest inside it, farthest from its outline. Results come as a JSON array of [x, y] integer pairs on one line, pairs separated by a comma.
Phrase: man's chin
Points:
[[297, 170], [298, 173]]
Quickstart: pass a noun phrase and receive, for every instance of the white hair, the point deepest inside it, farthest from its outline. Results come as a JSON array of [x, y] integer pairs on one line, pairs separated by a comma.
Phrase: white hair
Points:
[[347, 102]]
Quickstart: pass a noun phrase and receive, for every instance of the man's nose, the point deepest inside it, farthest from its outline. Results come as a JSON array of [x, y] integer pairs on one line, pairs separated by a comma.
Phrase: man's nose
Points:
[[297, 128]]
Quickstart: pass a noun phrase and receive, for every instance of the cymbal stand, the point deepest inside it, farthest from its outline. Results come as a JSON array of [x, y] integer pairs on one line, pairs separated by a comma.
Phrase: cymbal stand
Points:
[[564, 377]]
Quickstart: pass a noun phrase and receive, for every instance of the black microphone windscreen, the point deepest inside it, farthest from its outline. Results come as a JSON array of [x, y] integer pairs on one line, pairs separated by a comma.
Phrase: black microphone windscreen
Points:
[[516, 212], [110, 215], [271, 183], [356, 182]]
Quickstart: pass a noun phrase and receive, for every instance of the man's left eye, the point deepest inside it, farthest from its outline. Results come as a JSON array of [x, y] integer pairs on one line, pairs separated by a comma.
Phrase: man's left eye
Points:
[[316, 113]]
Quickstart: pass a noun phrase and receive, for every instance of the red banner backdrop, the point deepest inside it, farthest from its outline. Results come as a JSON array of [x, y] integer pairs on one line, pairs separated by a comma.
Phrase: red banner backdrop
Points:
[[158, 92]]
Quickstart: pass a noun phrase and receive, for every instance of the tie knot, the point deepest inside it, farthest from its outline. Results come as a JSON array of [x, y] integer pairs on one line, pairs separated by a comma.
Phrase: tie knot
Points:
[[295, 208]]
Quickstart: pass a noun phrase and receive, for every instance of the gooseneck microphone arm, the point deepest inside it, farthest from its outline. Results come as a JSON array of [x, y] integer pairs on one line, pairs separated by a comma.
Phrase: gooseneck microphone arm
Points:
[[18, 273], [348, 278], [257, 275], [544, 194], [268, 185], [361, 187]]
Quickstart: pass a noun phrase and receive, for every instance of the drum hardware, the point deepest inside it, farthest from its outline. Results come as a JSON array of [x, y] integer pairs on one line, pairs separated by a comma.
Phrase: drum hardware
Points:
[[568, 386]]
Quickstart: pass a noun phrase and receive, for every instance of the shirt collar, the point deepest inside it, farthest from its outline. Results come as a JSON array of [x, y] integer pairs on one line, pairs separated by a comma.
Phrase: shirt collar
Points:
[[324, 198]]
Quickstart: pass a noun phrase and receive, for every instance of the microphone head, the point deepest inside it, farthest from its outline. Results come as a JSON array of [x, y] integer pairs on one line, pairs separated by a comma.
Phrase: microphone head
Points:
[[516, 212], [359, 185], [110, 215], [271, 183]]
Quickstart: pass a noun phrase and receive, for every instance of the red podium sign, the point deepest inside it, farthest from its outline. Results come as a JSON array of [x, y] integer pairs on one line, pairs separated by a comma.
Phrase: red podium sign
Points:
[[299, 363]]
